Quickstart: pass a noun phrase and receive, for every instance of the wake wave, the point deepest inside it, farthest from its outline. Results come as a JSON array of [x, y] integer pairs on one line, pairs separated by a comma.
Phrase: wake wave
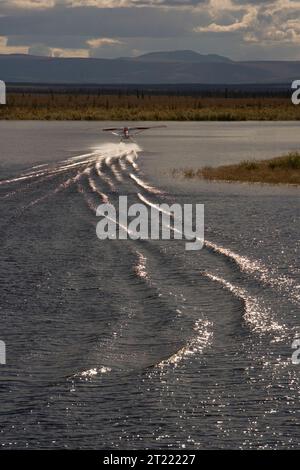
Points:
[[99, 176], [259, 317], [252, 267]]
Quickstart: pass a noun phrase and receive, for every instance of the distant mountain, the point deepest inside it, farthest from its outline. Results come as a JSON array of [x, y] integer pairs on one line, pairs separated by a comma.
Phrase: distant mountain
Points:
[[181, 56], [178, 67]]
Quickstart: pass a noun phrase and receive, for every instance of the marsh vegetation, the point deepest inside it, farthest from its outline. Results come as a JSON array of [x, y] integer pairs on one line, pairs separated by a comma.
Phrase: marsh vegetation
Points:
[[284, 169], [140, 106]]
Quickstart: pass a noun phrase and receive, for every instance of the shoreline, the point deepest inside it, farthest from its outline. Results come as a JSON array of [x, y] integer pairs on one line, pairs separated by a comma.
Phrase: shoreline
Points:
[[283, 170]]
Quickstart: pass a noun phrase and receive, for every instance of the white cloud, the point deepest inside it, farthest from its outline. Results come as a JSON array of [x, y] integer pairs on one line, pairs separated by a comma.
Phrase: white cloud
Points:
[[238, 25], [271, 22], [63, 52], [30, 4], [100, 42], [5, 49]]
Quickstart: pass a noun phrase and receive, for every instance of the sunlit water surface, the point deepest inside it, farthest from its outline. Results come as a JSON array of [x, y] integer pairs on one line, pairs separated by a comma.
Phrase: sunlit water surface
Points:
[[141, 344]]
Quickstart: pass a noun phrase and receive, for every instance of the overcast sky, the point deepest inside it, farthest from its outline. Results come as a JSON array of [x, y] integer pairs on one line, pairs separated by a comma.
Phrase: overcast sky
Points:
[[239, 29]]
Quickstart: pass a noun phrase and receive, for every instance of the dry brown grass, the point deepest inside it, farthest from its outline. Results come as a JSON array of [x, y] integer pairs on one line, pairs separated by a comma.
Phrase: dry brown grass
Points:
[[58, 106], [285, 169]]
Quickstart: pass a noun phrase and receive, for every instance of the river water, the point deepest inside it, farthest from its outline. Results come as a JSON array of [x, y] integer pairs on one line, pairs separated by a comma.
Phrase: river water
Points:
[[142, 344]]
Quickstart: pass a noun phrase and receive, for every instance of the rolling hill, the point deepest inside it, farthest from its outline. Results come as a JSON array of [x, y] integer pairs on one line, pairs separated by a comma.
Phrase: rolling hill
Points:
[[172, 67]]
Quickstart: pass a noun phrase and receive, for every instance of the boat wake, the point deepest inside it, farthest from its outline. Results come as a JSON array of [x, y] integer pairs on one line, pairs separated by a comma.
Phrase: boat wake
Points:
[[101, 176]]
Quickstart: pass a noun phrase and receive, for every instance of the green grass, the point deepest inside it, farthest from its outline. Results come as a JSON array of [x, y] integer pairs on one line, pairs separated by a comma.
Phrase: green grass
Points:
[[284, 169]]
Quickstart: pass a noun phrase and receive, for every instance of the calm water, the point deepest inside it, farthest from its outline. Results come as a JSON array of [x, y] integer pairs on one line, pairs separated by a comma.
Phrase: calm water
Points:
[[141, 344]]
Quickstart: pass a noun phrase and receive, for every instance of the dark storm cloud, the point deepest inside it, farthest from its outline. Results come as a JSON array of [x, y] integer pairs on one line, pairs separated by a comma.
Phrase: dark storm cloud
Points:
[[49, 40], [89, 21], [174, 3], [14, 5], [236, 28], [252, 2], [130, 30]]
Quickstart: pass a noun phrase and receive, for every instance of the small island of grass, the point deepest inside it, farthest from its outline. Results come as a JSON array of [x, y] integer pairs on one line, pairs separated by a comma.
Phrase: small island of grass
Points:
[[280, 170]]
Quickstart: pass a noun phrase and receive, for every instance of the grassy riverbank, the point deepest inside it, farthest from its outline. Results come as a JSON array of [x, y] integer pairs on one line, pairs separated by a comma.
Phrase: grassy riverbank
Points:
[[285, 169], [140, 107]]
